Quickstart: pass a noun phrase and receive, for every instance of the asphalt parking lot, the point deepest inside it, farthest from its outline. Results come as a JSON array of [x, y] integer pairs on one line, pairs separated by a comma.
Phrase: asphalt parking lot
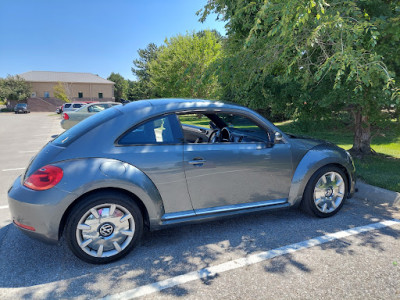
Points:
[[273, 255]]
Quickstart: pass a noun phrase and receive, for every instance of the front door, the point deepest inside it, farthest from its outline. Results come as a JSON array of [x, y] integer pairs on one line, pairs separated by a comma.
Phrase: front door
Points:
[[226, 174]]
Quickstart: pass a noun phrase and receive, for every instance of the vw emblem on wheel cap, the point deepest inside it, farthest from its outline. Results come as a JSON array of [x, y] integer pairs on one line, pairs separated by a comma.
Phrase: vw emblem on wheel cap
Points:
[[329, 192], [106, 229]]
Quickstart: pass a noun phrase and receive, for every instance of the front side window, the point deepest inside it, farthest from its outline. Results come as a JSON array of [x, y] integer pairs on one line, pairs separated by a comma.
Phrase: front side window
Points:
[[221, 127], [162, 130]]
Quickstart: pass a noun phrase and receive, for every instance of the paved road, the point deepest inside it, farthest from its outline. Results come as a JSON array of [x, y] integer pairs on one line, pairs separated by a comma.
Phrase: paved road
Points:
[[21, 136], [347, 265]]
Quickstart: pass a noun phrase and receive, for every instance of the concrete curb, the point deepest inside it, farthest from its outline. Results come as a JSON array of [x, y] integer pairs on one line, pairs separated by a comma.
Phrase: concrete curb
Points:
[[377, 195]]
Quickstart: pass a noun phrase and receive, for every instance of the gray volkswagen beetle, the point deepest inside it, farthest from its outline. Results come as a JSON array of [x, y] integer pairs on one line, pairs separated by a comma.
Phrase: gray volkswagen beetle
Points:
[[163, 162]]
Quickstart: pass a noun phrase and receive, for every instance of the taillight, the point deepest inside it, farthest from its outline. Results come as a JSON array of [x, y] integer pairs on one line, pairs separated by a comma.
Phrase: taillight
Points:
[[65, 116], [45, 178]]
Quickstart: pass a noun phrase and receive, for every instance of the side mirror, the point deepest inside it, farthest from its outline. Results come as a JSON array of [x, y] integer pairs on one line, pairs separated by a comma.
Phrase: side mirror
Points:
[[278, 137]]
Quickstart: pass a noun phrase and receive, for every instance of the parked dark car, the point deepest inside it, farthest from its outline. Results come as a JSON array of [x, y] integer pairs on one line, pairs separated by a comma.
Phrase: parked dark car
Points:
[[21, 108], [155, 163]]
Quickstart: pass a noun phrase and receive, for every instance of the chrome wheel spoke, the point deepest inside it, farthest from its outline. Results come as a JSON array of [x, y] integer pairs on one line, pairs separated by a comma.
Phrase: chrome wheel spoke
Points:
[[333, 177], [112, 209], [95, 213], [126, 232], [117, 247], [125, 218], [84, 227], [100, 251], [318, 201], [86, 243], [324, 207], [333, 203]]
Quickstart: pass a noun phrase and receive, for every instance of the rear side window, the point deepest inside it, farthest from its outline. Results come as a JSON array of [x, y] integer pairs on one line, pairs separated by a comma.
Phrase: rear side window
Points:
[[162, 130], [86, 125], [76, 105]]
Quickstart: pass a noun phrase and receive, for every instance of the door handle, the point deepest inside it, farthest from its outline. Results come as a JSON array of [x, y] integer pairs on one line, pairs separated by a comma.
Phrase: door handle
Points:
[[197, 162]]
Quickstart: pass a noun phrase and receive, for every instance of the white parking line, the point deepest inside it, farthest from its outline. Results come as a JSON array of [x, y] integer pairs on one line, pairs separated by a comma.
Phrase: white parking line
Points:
[[15, 169], [29, 151], [4, 207], [43, 134], [246, 261]]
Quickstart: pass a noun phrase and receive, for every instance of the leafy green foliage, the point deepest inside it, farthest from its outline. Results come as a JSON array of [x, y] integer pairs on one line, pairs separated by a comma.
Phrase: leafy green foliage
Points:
[[142, 89], [312, 59], [120, 87], [60, 92], [14, 88], [180, 69]]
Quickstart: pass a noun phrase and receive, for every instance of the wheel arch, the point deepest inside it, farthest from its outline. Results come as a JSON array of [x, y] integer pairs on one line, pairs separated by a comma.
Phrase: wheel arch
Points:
[[313, 161]]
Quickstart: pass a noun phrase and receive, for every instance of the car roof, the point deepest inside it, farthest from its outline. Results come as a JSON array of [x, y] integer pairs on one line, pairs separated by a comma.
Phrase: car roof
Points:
[[165, 105]]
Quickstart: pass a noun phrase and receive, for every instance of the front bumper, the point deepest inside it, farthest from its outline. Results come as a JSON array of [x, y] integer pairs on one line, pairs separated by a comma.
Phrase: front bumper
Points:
[[42, 210]]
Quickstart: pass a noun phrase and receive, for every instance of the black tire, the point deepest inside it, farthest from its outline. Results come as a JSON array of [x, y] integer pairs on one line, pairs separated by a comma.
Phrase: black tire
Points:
[[309, 203], [101, 201]]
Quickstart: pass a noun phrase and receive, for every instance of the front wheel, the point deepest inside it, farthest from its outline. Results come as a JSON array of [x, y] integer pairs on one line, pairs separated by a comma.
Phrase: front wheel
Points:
[[326, 192], [104, 227]]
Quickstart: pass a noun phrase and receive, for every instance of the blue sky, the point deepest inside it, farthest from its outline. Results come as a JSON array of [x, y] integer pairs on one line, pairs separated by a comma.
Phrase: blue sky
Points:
[[95, 36]]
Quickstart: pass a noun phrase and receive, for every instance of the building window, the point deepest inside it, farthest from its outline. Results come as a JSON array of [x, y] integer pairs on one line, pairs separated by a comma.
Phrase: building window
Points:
[[80, 95], [100, 95], [33, 95], [46, 94]]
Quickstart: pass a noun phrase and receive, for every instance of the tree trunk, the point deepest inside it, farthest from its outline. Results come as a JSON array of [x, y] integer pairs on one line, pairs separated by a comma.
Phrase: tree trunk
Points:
[[362, 135]]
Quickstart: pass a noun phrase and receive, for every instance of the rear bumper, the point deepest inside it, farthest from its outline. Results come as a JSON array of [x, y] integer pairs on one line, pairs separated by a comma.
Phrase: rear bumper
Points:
[[42, 211]]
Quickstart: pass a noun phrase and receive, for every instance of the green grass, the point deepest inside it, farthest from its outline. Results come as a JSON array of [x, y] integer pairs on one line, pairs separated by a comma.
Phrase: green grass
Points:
[[382, 169]]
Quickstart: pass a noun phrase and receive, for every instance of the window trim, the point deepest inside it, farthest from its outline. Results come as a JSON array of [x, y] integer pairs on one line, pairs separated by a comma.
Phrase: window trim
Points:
[[179, 128]]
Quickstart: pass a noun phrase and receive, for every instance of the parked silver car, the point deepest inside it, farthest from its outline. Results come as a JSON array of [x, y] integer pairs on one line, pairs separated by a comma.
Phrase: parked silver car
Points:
[[155, 163], [71, 118]]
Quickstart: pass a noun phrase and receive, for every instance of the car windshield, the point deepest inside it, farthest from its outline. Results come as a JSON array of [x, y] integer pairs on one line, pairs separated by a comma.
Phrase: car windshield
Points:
[[86, 125], [21, 105]]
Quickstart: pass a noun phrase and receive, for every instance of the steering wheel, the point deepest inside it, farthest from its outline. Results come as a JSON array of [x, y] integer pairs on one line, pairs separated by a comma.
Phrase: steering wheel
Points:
[[214, 136], [225, 135]]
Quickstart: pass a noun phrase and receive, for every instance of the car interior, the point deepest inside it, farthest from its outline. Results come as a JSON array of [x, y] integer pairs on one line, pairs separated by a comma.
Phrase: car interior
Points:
[[221, 128]]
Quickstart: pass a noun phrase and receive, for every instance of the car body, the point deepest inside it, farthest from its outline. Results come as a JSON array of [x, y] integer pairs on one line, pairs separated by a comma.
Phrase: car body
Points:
[[72, 106], [74, 117], [147, 163], [59, 109], [21, 108]]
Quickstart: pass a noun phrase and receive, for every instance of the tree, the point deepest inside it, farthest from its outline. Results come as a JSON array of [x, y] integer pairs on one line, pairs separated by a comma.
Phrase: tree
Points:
[[14, 88], [120, 87], [142, 87], [181, 67], [323, 56], [60, 92]]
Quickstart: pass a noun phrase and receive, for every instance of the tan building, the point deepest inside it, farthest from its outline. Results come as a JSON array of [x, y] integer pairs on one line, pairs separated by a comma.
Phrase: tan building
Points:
[[78, 87]]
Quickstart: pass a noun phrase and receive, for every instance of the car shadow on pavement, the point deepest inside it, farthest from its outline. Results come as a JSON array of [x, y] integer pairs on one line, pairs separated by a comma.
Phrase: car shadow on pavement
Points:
[[31, 269]]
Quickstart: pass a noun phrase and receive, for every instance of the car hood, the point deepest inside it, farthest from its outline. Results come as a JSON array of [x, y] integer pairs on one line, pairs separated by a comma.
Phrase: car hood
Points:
[[308, 143]]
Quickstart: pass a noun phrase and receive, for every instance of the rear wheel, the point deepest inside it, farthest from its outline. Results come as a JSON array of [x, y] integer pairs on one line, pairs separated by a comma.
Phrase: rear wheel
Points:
[[104, 227], [326, 192]]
